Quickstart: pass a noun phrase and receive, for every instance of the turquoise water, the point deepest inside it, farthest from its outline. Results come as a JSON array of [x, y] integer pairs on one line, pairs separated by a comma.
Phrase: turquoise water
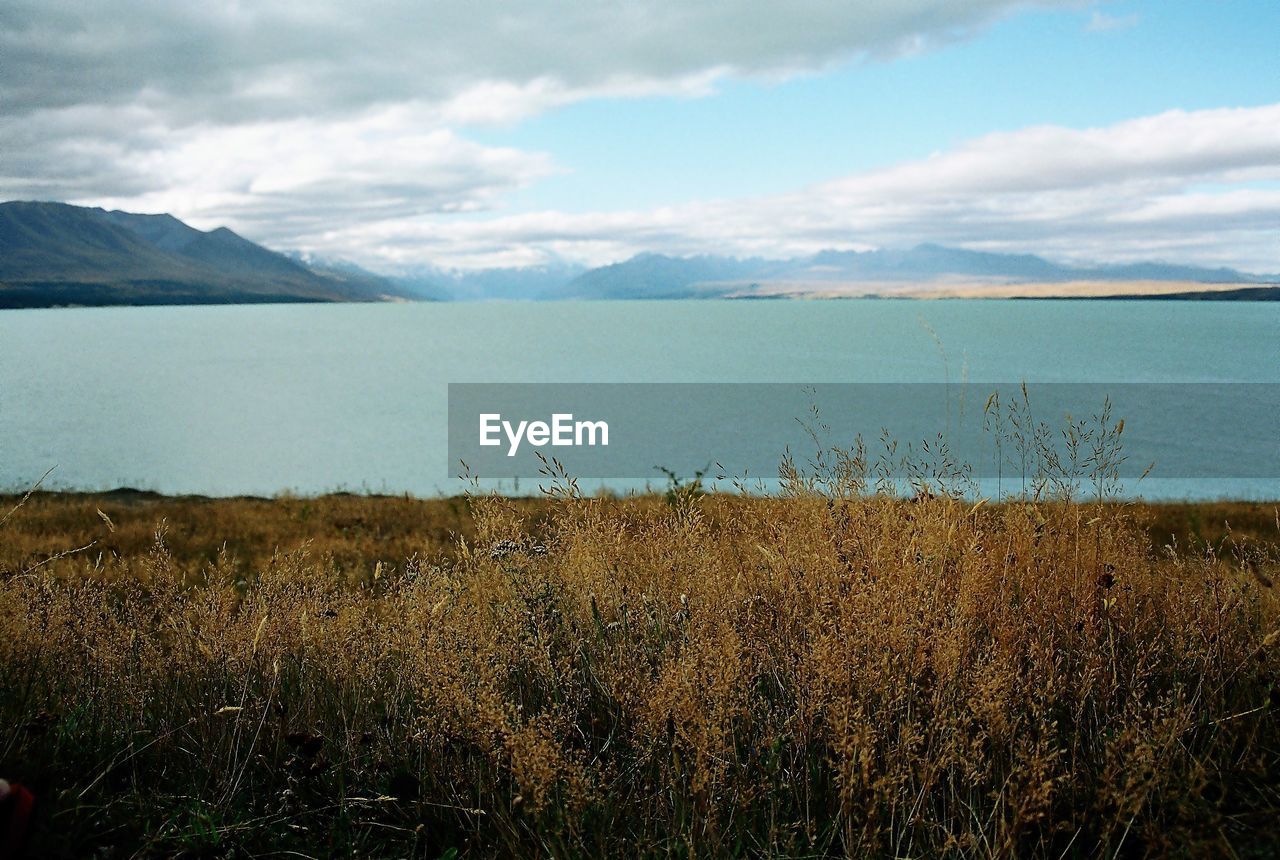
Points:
[[307, 399]]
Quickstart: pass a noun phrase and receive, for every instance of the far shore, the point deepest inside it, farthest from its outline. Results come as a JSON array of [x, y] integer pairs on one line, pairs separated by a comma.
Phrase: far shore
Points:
[[793, 290], [1006, 290]]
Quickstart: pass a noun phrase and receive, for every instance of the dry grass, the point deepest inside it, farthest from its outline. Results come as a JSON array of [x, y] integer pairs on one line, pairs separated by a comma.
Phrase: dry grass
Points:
[[706, 675]]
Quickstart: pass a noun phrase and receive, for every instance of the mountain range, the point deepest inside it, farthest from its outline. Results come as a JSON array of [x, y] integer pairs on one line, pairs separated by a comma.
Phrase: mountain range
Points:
[[532, 282], [921, 270], [54, 254]]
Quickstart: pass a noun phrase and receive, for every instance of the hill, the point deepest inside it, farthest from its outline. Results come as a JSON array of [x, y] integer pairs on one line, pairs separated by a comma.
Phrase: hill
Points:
[[54, 254]]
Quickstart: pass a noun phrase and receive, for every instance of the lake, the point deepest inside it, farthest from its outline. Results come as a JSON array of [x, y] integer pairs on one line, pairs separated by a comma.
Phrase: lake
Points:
[[305, 399]]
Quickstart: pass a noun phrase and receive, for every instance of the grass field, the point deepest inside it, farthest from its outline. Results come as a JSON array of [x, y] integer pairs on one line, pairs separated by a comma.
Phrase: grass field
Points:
[[694, 675]]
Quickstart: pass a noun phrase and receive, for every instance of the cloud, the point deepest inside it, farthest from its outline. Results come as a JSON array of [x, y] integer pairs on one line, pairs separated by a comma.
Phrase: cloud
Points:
[[276, 181], [1200, 186], [308, 126], [230, 61], [299, 122]]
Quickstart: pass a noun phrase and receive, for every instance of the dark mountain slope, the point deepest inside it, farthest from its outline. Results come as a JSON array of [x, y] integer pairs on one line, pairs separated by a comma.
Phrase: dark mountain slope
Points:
[[56, 254]]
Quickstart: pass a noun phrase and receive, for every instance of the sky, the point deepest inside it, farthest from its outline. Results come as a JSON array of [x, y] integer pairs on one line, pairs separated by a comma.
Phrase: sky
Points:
[[401, 133]]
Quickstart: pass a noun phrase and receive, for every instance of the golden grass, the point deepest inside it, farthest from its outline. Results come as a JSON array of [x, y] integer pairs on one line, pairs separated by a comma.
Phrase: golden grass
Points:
[[716, 676]]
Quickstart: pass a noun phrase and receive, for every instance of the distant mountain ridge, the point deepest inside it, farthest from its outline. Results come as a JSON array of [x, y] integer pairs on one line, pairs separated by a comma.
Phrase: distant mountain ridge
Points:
[[656, 276], [531, 282], [880, 271], [55, 254]]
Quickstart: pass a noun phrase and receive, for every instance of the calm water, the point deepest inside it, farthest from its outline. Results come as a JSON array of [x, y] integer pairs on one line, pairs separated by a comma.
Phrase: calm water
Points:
[[268, 399]]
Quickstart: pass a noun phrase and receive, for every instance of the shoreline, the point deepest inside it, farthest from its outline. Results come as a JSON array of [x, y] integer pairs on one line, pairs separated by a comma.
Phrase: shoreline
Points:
[[1029, 291], [136, 496], [359, 529]]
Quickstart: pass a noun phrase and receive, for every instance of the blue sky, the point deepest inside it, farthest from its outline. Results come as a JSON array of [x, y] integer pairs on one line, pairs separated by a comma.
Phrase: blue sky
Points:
[[480, 133]]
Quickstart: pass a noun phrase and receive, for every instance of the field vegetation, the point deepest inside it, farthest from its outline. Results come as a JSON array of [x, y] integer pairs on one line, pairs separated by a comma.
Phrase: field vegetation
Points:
[[821, 673]]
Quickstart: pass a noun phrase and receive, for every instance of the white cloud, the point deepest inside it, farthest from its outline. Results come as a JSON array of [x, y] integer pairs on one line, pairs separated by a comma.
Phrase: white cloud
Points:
[[277, 181], [497, 102], [298, 123], [231, 61], [312, 126], [1188, 186]]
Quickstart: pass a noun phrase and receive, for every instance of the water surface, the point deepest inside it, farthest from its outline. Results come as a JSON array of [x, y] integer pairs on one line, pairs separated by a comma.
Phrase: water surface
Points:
[[308, 399]]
